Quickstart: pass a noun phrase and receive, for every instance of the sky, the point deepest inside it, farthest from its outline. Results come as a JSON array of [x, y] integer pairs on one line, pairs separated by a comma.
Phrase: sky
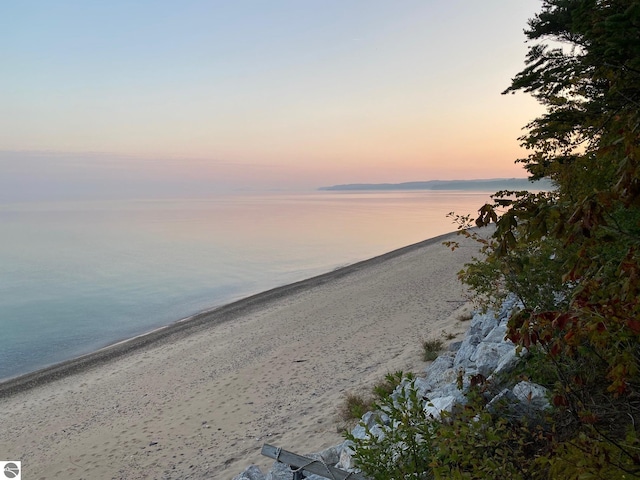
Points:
[[239, 95]]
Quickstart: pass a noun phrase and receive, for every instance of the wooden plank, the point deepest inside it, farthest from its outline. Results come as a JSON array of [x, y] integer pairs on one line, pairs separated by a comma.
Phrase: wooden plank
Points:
[[308, 464]]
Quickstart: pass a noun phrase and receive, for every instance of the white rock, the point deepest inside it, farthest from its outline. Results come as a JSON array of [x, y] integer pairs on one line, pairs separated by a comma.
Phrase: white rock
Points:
[[438, 374], [329, 456], [436, 406], [497, 334], [279, 471], [532, 395], [507, 363], [359, 432], [252, 472], [346, 458], [489, 355], [464, 356], [483, 323], [422, 386], [369, 419]]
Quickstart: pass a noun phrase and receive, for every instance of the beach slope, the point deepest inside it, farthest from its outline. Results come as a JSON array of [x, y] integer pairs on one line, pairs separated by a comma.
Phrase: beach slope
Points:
[[199, 398]]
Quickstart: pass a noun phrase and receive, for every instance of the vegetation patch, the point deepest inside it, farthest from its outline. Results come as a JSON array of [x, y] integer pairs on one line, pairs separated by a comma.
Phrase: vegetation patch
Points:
[[354, 406], [401, 449], [431, 348]]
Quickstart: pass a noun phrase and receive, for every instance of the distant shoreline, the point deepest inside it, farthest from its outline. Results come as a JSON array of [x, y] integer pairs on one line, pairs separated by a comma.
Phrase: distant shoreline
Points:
[[192, 324], [492, 184]]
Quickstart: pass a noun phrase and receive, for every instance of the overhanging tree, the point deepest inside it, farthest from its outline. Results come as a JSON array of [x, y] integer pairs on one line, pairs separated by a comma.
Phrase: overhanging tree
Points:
[[573, 255]]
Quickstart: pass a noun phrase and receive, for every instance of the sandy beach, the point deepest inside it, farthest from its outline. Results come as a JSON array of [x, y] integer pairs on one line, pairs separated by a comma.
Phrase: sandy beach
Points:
[[199, 398]]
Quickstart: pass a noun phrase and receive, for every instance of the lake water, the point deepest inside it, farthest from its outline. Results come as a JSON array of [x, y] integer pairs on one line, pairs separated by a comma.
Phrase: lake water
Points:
[[76, 276]]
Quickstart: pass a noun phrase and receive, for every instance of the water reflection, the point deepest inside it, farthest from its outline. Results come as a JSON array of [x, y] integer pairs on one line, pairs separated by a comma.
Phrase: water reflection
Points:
[[77, 276]]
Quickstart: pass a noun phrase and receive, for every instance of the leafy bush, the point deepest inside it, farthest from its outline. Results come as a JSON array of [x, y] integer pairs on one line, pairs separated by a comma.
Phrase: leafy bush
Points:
[[386, 387], [354, 406], [402, 448], [472, 443], [589, 456], [430, 349], [476, 444], [572, 256]]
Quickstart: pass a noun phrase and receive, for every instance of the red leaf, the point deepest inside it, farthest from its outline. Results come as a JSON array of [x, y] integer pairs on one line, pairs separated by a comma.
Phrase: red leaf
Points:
[[569, 335], [634, 326], [589, 418], [560, 401]]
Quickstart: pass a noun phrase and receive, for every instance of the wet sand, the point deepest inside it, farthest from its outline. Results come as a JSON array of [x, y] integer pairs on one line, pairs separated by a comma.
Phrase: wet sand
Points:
[[197, 399]]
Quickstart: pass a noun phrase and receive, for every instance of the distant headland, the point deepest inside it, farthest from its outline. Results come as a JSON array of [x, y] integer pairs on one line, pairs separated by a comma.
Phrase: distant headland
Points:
[[493, 184]]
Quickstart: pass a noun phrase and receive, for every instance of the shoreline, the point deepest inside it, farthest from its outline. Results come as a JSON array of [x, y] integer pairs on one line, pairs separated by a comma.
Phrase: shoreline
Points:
[[198, 398], [193, 323]]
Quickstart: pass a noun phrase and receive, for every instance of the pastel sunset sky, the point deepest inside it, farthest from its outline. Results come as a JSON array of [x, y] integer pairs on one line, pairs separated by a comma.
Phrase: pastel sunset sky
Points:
[[259, 94]]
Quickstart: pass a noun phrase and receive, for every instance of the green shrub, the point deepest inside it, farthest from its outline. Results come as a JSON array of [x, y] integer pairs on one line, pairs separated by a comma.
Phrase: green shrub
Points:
[[387, 386], [448, 335], [430, 349], [476, 444], [590, 456], [404, 449], [354, 406]]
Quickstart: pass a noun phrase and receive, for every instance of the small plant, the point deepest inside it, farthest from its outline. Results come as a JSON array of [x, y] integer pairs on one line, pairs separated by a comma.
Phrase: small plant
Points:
[[448, 335], [403, 448], [465, 317], [354, 407], [430, 349], [387, 386]]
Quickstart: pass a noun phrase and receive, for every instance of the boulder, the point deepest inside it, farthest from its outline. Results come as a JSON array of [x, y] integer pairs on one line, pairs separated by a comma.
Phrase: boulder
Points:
[[371, 422], [532, 395], [525, 401], [483, 323], [438, 374], [465, 355], [329, 456], [346, 457], [436, 406], [488, 355], [507, 363], [359, 432], [279, 471], [252, 472], [497, 334]]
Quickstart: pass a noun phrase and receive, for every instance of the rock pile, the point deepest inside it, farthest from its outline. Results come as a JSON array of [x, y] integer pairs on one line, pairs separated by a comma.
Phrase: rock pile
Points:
[[484, 356]]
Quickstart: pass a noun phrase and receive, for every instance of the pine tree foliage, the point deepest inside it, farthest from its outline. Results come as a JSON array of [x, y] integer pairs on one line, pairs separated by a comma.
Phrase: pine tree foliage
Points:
[[573, 255]]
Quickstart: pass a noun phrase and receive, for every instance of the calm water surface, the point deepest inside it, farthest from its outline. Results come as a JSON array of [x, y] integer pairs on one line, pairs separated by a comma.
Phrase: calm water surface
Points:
[[76, 276]]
